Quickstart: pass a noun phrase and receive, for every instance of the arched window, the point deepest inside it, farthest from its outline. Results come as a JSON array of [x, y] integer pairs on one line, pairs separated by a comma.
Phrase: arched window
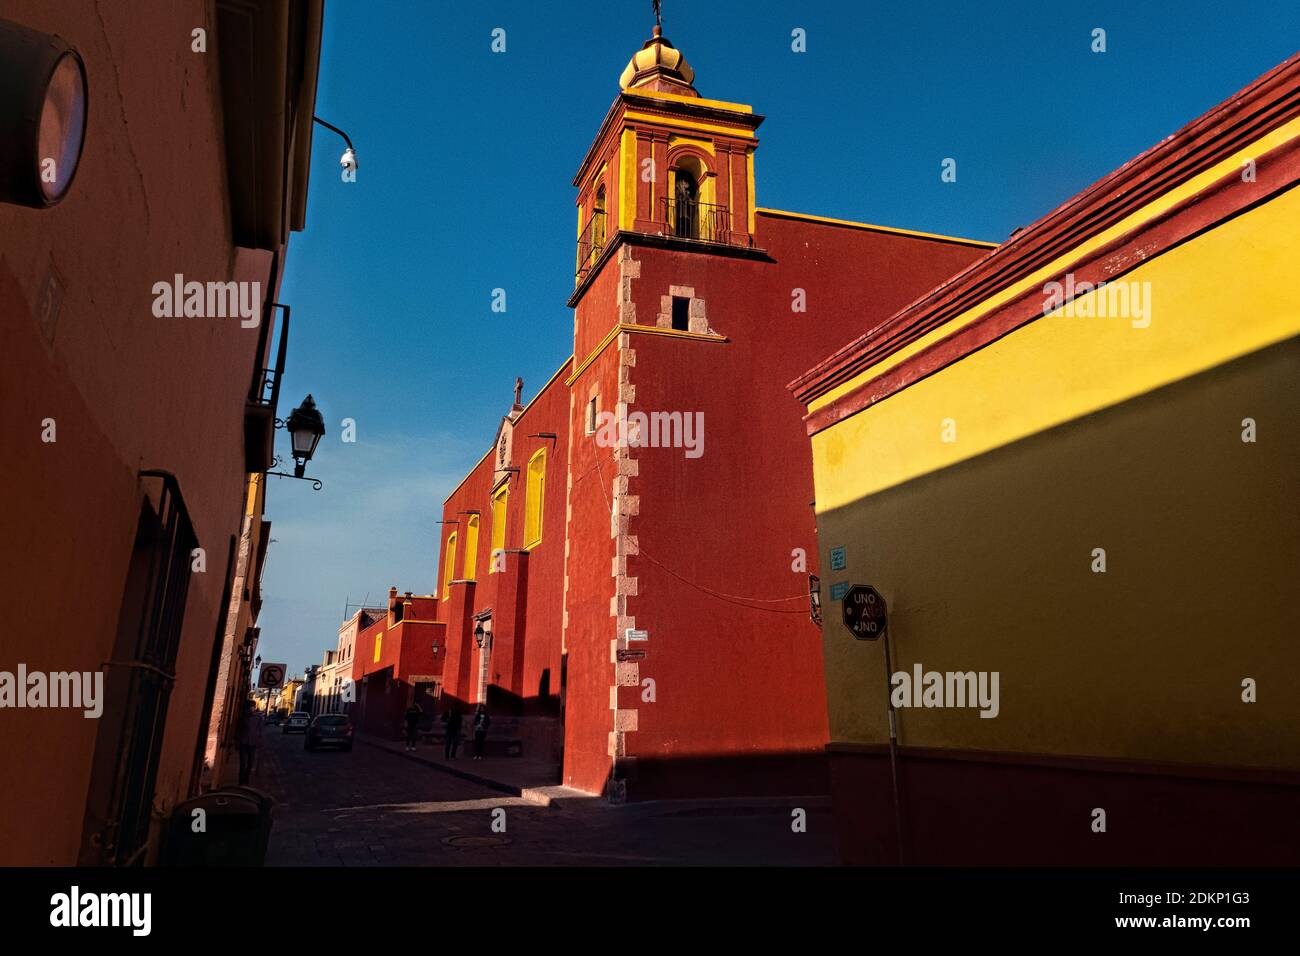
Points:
[[686, 198], [499, 501], [449, 566], [598, 224], [536, 497], [471, 548]]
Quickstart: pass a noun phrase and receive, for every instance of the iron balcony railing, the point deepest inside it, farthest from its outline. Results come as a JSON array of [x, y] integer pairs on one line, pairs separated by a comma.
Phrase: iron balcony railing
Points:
[[691, 219], [591, 243], [680, 218], [264, 395]]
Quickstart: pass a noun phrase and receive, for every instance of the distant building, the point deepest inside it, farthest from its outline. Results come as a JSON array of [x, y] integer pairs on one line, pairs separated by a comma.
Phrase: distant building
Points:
[[305, 698], [340, 692], [398, 659], [323, 698]]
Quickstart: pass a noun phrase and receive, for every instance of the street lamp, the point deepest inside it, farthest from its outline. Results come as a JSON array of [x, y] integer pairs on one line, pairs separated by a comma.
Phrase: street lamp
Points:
[[306, 426], [349, 158], [42, 116]]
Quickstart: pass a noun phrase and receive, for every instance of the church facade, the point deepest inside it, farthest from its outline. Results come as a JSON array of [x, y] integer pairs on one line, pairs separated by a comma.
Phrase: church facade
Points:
[[629, 575]]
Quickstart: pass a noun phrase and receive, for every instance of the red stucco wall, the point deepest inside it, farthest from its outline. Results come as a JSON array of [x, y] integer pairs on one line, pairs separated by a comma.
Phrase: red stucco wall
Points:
[[127, 391]]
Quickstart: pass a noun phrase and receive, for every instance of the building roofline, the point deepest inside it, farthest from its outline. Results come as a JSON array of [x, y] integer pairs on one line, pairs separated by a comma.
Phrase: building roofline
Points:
[[871, 227], [540, 392], [1262, 106]]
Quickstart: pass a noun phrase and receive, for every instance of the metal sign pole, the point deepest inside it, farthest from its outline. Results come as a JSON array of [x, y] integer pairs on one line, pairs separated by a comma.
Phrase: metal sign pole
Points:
[[893, 748]]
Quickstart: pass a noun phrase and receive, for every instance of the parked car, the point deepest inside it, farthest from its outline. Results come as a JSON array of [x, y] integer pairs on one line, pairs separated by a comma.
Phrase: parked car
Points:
[[329, 730], [297, 723], [274, 719]]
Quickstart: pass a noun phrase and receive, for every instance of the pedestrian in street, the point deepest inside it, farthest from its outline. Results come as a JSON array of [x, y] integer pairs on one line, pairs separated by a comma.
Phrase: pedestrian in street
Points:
[[453, 720], [481, 723], [249, 736], [413, 715]]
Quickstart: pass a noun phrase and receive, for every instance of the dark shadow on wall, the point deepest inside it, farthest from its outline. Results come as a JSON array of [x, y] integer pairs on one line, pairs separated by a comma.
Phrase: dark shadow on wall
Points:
[[1120, 691]]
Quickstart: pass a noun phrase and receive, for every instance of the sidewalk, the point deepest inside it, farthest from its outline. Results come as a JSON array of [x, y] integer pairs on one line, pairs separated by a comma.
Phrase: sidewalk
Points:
[[531, 779]]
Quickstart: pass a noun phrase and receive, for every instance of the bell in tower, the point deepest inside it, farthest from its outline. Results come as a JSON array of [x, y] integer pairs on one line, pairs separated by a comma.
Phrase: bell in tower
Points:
[[667, 163]]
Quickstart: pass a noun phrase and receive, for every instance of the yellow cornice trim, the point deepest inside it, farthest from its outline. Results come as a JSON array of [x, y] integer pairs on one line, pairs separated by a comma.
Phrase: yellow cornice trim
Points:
[[673, 122], [604, 343], [696, 100], [641, 330], [784, 214]]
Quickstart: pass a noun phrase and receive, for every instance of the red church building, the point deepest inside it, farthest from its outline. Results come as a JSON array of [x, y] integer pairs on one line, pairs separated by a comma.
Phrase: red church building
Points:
[[627, 570]]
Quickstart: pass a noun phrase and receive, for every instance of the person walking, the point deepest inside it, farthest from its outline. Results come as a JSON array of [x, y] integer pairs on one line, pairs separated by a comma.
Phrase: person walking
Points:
[[481, 723], [249, 736], [453, 720], [413, 715]]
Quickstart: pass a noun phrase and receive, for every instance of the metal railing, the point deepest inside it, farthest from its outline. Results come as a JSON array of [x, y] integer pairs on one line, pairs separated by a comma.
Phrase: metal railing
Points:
[[265, 389], [591, 243], [692, 219]]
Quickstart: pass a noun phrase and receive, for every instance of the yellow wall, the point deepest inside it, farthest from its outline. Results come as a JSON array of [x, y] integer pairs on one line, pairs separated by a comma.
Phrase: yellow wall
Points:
[[1139, 219], [1075, 434]]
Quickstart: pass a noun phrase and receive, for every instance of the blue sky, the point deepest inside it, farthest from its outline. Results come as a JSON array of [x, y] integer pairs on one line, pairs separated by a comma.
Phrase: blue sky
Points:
[[464, 186]]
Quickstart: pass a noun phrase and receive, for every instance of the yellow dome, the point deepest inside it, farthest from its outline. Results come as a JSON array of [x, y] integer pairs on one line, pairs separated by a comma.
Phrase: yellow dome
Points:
[[658, 59]]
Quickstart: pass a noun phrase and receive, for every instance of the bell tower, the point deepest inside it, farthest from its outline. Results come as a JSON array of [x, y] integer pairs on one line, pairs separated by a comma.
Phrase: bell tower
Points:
[[667, 163]]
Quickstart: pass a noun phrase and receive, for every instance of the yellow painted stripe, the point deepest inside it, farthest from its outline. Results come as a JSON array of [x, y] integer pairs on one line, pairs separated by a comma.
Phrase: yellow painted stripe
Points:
[[1220, 296], [874, 228], [627, 172], [696, 101], [1062, 263], [674, 123], [639, 330], [749, 173]]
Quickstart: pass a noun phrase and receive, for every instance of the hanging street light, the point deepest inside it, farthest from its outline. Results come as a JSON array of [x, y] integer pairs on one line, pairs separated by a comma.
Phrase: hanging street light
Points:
[[306, 427]]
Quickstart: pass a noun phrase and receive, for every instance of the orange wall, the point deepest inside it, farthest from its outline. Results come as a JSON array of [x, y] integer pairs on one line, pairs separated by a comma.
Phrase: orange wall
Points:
[[128, 391]]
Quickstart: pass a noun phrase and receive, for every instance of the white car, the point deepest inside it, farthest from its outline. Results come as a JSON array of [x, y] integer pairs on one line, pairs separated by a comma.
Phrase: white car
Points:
[[296, 723]]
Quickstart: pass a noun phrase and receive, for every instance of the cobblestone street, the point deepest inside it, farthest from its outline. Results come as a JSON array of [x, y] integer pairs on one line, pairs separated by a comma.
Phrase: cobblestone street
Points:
[[372, 807]]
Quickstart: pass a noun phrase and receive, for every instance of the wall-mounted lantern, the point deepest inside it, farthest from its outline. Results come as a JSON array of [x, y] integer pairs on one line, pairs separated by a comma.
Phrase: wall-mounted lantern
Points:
[[306, 426], [42, 116]]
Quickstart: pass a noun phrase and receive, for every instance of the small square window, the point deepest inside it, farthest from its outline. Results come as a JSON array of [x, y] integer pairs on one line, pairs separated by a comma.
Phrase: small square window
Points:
[[591, 415], [681, 313]]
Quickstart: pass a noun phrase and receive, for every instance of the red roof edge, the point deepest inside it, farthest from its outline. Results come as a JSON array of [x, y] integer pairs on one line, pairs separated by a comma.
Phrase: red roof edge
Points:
[[1258, 108]]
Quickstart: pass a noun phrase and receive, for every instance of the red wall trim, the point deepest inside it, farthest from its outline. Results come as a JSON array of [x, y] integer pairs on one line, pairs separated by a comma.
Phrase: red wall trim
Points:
[[1276, 172]]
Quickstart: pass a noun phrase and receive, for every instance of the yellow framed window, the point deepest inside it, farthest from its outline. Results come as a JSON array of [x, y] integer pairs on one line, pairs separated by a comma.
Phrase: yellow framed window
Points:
[[499, 501], [535, 497], [449, 566], [379, 645], [471, 548]]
